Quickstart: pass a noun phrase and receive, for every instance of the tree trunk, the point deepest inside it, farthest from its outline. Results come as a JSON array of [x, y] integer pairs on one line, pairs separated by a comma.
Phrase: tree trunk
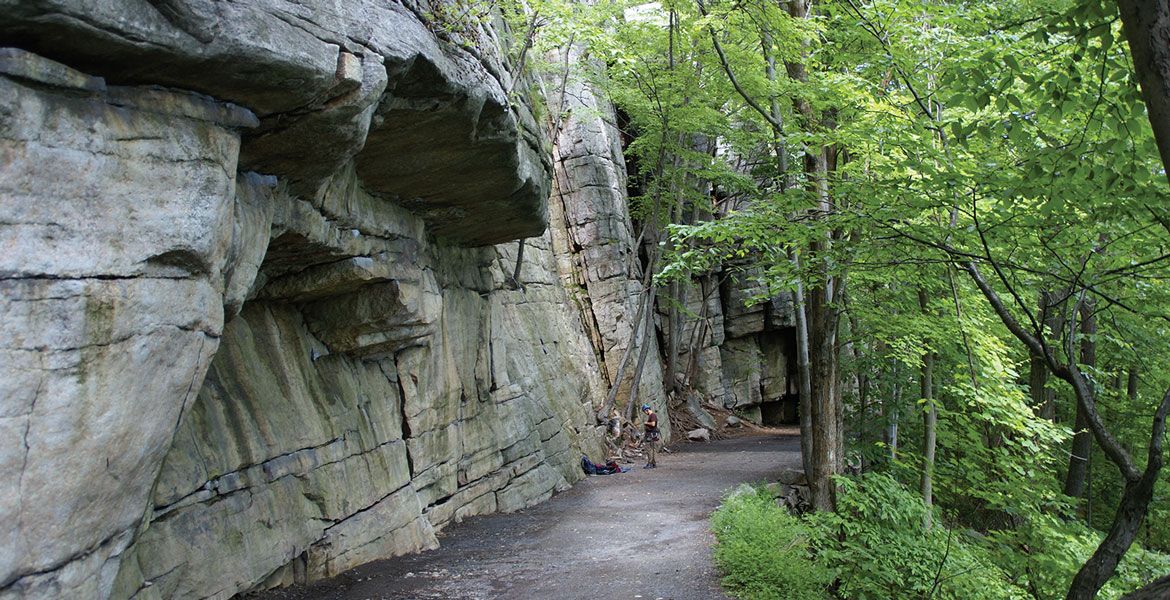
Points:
[[1146, 24], [1139, 485], [1135, 499], [826, 399], [1074, 482], [1044, 397], [861, 384], [892, 415], [929, 424], [803, 376], [643, 352], [616, 384], [673, 328], [1131, 512]]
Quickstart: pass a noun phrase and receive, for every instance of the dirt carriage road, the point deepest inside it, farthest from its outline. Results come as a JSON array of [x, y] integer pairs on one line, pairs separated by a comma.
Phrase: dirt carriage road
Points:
[[642, 534]]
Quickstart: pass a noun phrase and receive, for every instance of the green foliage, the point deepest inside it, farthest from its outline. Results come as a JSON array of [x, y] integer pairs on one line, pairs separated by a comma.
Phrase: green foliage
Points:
[[1010, 135], [1043, 553], [763, 551], [875, 547]]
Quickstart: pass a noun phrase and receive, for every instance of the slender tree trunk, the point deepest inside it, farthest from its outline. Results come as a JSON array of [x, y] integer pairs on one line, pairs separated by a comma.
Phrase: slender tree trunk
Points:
[[674, 332], [930, 422], [647, 333], [644, 301], [861, 373], [1074, 483], [695, 346], [1044, 397], [803, 376], [892, 415]]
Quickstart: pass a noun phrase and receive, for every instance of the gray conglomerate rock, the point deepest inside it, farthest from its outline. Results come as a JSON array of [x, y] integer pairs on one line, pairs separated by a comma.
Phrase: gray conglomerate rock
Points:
[[255, 329], [375, 380], [116, 204]]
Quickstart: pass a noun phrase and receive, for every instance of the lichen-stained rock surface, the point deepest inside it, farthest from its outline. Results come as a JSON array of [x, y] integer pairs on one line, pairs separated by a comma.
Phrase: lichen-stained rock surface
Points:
[[116, 207], [254, 329], [313, 461]]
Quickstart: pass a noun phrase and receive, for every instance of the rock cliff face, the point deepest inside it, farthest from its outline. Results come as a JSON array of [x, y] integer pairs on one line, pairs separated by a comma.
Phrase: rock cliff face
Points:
[[260, 316], [255, 329]]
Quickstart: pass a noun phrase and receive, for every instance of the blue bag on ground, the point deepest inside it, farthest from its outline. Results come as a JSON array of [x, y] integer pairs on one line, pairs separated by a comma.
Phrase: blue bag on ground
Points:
[[592, 468]]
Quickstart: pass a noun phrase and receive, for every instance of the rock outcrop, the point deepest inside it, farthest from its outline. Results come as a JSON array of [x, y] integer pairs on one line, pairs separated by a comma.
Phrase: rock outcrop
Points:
[[594, 238], [262, 318], [256, 330]]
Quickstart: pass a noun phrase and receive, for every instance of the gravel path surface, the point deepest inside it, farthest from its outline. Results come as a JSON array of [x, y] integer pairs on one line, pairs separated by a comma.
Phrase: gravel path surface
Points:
[[637, 535]]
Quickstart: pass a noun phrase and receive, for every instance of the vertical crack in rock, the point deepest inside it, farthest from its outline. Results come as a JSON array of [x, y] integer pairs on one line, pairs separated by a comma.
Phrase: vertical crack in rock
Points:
[[406, 433], [23, 467]]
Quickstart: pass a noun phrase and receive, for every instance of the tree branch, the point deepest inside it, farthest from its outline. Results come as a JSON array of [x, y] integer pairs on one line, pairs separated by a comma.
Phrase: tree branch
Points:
[[731, 75]]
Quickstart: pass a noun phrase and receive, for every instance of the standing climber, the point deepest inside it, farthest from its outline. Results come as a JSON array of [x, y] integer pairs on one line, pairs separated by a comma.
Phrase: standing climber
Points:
[[650, 430]]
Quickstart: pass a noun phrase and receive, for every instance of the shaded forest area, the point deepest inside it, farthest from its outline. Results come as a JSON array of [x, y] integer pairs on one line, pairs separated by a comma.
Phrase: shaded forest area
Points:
[[967, 204]]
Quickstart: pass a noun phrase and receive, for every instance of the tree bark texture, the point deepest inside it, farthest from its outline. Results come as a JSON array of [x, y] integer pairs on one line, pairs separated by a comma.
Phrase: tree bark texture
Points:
[[828, 434], [1146, 24]]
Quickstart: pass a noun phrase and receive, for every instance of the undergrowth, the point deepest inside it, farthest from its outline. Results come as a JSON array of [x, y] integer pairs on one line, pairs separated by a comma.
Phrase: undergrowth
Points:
[[877, 547]]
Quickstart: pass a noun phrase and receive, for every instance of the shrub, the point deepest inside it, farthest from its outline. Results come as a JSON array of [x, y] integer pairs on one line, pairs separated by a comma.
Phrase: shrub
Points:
[[877, 545], [763, 551]]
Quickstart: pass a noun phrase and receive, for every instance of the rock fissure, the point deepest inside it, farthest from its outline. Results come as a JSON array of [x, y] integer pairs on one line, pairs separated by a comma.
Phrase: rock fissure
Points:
[[151, 582], [113, 342], [358, 513], [112, 540], [81, 278], [24, 459], [298, 21]]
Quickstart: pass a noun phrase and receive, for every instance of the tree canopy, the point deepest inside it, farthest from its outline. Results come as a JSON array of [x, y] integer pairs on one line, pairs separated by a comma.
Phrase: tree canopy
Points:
[[968, 202]]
